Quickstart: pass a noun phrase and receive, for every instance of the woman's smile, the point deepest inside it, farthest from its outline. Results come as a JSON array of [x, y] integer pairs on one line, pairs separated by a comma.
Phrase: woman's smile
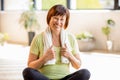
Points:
[[57, 22]]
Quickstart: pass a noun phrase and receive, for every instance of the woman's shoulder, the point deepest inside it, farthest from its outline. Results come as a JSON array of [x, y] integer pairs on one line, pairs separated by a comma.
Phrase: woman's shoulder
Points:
[[38, 37], [71, 35], [72, 38]]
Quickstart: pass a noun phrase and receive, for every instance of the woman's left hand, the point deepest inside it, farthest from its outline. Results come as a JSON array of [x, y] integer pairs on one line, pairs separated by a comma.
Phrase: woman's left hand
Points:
[[74, 59], [65, 52]]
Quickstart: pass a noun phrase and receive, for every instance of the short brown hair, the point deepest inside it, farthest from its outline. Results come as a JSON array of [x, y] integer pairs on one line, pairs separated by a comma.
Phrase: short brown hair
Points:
[[58, 10]]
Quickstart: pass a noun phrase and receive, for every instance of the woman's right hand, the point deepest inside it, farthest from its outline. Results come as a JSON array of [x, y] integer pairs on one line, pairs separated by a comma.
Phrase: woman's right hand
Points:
[[36, 63], [50, 54]]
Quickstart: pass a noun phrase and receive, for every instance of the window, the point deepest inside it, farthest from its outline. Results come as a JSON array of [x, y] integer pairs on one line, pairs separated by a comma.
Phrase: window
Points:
[[50, 3], [119, 3], [46, 4], [79, 4], [0, 4], [95, 4], [71, 4], [16, 4]]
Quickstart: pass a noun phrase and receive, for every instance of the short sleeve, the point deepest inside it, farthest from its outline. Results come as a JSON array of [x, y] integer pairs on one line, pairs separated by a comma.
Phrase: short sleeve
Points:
[[74, 44], [36, 45]]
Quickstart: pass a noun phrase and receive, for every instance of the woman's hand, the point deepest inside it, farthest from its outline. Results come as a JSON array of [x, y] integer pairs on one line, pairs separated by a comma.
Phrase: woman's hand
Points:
[[50, 54], [65, 52], [34, 62], [74, 59]]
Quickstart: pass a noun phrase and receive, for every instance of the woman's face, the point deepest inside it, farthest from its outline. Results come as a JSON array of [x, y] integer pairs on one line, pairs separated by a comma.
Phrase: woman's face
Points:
[[57, 23]]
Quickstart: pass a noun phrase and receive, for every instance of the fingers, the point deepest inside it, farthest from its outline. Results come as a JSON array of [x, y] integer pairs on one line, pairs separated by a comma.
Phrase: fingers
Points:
[[65, 45], [64, 48], [51, 47], [52, 51]]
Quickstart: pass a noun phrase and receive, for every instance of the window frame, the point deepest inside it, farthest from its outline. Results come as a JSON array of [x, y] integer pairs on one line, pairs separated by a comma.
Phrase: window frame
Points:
[[2, 5], [68, 4]]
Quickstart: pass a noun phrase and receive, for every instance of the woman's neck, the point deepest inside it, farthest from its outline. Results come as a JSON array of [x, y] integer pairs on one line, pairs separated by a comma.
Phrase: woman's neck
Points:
[[56, 33], [56, 39]]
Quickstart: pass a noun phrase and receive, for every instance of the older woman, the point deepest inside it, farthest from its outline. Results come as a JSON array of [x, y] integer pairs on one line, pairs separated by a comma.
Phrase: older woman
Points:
[[53, 50]]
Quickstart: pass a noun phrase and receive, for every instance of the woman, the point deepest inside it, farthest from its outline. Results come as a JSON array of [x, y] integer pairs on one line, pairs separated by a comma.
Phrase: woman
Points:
[[53, 50]]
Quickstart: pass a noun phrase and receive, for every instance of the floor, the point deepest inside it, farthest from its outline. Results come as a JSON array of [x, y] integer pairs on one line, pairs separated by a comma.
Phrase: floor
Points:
[[103, 66]]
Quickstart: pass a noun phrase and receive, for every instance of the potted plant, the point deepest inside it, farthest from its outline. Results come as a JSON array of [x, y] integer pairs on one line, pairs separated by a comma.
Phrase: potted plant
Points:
[[85, 41], [29, 20], [85, 36], [3, 38], [106, 31]]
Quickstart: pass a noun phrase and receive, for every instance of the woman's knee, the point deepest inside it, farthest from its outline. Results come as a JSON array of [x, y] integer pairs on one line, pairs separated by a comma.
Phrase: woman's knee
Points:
[[27, 71], [84, 73], [33, 74]]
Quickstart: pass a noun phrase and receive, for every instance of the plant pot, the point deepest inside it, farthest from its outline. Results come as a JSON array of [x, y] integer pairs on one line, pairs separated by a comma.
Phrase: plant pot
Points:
[[30, 37], [86, 45], [109, 45]]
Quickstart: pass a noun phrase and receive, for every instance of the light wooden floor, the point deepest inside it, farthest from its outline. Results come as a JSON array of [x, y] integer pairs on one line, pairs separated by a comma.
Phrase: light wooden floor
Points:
[[103, 66]]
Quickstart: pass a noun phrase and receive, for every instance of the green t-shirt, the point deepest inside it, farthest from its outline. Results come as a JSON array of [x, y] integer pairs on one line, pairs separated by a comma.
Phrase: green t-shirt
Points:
[[58, 70]]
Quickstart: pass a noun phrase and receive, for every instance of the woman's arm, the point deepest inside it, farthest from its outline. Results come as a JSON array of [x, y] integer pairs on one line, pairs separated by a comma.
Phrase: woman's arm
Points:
[[75, 60], [35, 62], [74, 56]]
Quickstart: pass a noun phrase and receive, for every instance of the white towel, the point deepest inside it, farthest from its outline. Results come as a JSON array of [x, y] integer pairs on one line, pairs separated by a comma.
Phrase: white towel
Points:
[[47, 40]]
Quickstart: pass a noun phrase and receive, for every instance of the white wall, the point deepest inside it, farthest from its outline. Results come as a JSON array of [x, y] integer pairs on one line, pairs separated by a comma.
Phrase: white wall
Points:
[[93, 21], [79, 21]]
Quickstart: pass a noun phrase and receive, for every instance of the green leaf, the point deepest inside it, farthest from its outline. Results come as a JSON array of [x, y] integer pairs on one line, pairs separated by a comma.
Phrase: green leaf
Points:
[[106, 30]]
